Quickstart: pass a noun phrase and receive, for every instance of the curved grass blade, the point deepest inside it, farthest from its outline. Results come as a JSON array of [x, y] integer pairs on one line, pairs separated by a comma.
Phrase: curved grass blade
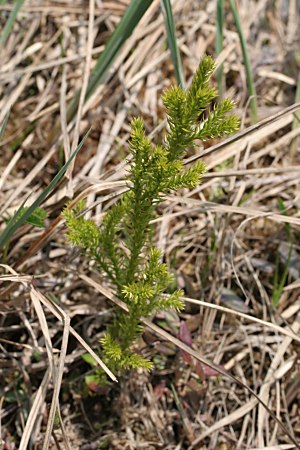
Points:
[[172, 41], [20, 217], [127, 24], [10, 22], [250, 82]]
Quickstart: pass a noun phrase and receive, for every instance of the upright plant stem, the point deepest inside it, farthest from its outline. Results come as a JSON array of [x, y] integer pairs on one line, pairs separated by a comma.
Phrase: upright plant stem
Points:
[[10, 22], [296, 122], [219, 44], [250, 82], [172, 41], [126, 26]]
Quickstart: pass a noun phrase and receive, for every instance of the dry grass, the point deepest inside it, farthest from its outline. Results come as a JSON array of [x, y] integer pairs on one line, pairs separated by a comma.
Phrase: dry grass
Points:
[[225, 240]]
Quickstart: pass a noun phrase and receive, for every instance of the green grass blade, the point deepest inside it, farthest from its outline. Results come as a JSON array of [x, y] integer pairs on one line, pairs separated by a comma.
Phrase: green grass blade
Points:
[[127, 24], [3, 126], [172, 41], [296, 122], [250, 82], [219, 43], [278, 285], [10, 21], [17, 220]]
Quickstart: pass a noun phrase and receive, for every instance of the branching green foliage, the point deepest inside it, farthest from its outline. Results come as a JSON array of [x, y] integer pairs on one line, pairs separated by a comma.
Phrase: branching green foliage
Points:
[[122, 246]]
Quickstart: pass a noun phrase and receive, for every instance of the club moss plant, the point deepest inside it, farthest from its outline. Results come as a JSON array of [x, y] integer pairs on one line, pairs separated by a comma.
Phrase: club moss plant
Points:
[[123, 246]]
